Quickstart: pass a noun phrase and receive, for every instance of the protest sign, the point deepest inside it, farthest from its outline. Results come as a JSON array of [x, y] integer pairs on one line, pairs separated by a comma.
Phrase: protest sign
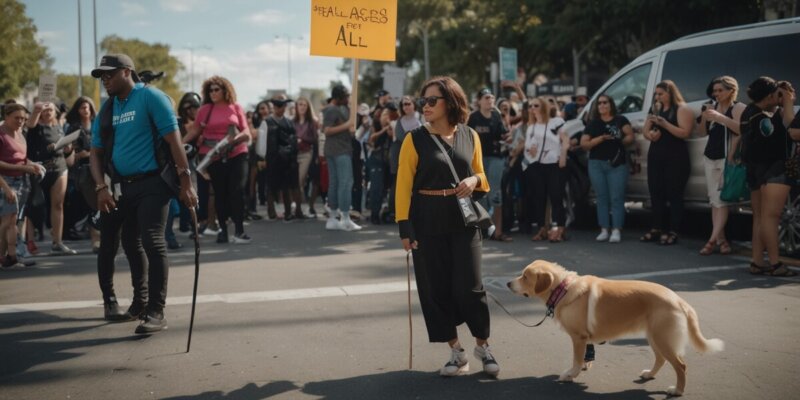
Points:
[[47, 88], [363, 29]]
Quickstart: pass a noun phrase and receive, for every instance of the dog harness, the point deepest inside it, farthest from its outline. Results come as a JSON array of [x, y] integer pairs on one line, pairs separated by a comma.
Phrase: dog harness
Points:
[[556, 296]]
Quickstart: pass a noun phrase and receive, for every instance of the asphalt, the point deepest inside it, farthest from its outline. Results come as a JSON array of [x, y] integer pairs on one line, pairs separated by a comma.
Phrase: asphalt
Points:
[[303, 313]]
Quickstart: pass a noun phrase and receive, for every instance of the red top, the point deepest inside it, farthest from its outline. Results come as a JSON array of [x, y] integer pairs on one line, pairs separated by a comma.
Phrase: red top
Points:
[[12, 151], [222, 115]]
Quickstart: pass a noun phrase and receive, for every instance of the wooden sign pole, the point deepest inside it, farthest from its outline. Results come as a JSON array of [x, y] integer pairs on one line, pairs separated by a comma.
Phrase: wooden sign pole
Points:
[[354, 95]]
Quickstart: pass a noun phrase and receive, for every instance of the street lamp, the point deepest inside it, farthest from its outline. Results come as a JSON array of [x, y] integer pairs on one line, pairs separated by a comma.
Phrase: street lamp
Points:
[[421, 29], [288, 60], [191, 49]]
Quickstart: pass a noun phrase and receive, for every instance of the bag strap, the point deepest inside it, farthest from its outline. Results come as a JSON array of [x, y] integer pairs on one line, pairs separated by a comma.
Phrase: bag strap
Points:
[[544, 140], [446, 156]]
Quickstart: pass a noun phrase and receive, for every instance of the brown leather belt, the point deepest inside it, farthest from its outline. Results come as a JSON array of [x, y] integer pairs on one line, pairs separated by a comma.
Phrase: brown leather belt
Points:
[[438, 192]]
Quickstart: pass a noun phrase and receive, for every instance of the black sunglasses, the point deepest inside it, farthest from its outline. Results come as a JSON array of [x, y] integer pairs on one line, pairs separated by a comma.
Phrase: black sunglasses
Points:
[[602, 102], [430, 101], [109, 74]]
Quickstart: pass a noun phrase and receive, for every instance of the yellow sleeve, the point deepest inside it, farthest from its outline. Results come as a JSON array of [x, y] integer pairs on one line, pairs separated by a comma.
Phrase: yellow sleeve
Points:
[[477, 163], [406, 170]]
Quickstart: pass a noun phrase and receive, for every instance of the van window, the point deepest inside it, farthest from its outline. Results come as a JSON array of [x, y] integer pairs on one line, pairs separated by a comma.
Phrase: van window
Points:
[[693, 68], [628, 90]]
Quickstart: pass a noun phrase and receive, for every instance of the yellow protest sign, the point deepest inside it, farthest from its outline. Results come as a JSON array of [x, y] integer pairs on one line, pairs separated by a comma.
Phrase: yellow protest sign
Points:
[[365, 29]]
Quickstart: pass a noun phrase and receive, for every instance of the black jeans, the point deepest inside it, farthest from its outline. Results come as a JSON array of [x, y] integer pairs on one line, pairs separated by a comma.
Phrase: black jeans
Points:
[[667, 175], [229, 179], [545, 181], [144, 205], [110, 234]]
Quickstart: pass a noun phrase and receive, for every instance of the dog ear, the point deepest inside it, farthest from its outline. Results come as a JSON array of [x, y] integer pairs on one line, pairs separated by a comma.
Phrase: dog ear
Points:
[[543, 282]]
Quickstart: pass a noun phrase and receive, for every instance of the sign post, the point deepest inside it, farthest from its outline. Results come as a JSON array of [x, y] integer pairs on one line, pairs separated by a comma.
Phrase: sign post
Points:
[[357, 29], [508, 64]]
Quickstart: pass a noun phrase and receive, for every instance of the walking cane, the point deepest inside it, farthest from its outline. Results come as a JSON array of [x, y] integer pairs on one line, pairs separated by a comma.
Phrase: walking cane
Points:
[[410, 331], [193, 212]]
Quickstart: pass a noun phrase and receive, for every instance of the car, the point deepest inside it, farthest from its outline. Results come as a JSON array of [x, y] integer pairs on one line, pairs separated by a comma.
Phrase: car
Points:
[[744, 52]]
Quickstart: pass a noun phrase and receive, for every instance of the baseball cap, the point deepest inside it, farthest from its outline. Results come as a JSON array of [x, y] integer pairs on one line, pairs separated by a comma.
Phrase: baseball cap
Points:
[[391, 106], [381, 93], [110, 62], [484, 92]]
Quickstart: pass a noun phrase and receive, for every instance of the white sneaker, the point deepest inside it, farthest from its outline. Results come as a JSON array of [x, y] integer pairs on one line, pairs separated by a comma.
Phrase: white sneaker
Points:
[[484, 353], [333, 224], [616, 236], [349, 225], [457, 364], [241, 239], [603, 236]]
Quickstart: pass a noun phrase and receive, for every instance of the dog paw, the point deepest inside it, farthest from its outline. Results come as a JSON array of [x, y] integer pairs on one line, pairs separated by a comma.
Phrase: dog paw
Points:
[[647, 374], [673, 391]]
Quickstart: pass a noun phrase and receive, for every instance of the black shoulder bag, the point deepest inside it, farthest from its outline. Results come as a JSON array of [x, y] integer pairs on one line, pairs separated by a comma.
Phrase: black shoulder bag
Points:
[[475, 216]]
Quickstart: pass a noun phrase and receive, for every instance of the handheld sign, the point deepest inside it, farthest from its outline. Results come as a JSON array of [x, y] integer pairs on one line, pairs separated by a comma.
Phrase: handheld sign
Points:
[[363, 29], [47, 88]]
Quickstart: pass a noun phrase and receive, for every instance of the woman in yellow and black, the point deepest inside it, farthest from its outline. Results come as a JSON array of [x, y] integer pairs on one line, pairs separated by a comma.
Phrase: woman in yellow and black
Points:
[[447, 254]]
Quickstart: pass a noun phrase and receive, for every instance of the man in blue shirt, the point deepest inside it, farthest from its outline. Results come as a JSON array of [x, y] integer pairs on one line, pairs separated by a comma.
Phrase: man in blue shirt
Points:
[[135, 201]]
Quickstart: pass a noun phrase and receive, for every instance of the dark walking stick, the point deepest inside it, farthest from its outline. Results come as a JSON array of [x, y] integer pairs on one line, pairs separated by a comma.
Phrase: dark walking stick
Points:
[[196, 273]]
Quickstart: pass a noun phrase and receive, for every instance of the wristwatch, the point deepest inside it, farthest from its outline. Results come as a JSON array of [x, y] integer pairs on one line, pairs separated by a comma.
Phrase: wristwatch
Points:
[[184, 171]]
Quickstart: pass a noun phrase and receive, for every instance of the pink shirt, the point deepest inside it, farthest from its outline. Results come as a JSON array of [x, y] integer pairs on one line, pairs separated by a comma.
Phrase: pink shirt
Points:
[[222, 115], [12, 151]]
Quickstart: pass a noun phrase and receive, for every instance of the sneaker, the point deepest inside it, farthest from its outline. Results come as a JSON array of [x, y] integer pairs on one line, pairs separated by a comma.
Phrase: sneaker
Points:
[[616, 236], [457, 364], [209, 230], [173, 244], [241, 238], [62, 249], [135, 311], [32, 248], [349, 225], [484, 353], [288, 218], [112, 312], [222, 237], [333, 224], [152, 322], [603, 236], [312, 213], [10, 264]]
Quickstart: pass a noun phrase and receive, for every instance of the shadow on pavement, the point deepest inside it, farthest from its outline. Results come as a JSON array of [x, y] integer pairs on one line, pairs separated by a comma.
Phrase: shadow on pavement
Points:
[[249, 391], [429, 385]]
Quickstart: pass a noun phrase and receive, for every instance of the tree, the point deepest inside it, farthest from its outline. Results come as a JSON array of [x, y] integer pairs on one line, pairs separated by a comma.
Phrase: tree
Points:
[[67, 89], [22, 58], [154, 57]]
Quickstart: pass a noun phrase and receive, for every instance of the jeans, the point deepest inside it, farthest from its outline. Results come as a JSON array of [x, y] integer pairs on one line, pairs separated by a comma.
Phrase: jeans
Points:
[[493, 167], [229, 179], [377, 169], [174, 211], [340, 185], [609, 185]]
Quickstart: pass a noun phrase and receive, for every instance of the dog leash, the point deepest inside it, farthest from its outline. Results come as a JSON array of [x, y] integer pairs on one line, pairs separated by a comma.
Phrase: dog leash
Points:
[[410, 330], [550, 312]]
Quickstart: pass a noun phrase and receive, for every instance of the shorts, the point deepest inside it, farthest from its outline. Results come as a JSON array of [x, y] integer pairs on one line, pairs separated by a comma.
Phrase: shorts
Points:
[[16, 183], [760, 174], [714, 170]]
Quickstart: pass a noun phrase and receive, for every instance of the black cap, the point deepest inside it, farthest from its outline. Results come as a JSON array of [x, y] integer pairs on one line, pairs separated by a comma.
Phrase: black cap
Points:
[[280, 102], [484, 92], [391, 106], [381, 93], [110, 62]]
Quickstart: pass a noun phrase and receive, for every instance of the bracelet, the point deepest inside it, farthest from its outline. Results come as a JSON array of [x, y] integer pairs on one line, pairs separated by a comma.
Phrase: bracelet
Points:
[[99, 188]]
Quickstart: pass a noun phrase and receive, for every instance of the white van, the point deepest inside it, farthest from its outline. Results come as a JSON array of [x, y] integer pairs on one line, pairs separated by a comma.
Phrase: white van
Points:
[[744, 52]]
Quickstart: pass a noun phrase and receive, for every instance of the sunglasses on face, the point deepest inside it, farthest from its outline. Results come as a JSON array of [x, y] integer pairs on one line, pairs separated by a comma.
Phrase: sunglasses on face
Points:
[[214, 90], [407, 104], [602, 102], [430, 101], [109, 74]]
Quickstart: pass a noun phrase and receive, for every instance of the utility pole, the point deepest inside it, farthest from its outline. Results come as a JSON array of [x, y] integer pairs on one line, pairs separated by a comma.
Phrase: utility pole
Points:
[[191, 49], [422, 28], [80, 53], [288, 61]]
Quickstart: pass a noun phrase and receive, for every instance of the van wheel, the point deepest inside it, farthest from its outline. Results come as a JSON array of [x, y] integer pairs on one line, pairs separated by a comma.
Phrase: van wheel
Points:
[[789, 226]]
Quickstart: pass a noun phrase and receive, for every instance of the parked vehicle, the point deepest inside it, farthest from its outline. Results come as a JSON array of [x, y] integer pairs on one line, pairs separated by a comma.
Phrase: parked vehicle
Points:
[[744, 52]]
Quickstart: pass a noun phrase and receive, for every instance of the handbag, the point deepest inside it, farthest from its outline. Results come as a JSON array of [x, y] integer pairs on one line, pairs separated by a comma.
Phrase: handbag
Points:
[[734, 180], [475, 216]]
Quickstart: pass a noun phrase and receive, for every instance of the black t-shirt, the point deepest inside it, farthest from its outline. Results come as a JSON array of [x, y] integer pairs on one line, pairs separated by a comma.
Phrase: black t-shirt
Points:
[[796, 121], [668, 144], [490, 130], [39, 138], [764, 138], [608, 149], [715, 146], [82, 143]]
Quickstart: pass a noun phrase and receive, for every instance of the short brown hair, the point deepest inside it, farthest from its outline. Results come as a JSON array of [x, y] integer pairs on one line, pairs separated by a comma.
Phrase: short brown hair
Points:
[[454, 97], [672, 90], [11, 108], [228, 93]]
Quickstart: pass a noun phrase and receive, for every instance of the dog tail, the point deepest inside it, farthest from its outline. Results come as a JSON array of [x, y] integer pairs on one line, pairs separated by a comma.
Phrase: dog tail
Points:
[[700, 343]]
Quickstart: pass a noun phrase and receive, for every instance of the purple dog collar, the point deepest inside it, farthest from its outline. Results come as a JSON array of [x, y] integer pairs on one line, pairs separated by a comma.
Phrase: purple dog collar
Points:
[[556, 296]]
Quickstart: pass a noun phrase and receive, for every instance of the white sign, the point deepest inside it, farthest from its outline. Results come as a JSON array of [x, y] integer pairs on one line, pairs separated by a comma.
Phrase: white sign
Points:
[[394, 81], [47, 88]]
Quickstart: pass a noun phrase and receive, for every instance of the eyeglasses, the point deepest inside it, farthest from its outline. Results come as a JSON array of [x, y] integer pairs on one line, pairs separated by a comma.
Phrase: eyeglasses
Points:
[[109, 74], [430, 101], [214, 89], [408, 104]]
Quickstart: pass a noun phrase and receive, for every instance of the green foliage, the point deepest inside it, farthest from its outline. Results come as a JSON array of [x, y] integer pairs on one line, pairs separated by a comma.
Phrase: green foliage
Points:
[[154, 57], [67, 89], [22, 58]]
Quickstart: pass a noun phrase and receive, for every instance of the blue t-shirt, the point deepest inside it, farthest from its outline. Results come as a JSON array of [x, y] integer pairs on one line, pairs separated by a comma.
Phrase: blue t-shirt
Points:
[[133, 137]]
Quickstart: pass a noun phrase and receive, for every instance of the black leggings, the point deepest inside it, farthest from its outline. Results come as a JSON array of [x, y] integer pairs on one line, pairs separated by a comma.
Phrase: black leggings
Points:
[[543, 182], [229, 180], [667, 175], [448, 271]]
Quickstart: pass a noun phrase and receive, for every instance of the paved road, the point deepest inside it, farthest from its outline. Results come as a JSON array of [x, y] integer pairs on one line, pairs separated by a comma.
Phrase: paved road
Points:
[[307, 314]]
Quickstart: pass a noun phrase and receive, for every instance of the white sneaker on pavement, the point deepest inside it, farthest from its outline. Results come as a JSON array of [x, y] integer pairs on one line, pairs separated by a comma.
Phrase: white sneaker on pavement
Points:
[[457, 364], [349, 225], [616, 236], [603, 236], [333, 224], [484, 353]]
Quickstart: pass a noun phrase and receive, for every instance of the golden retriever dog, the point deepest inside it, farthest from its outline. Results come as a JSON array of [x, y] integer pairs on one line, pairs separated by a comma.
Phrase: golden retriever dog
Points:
[[594, 310]]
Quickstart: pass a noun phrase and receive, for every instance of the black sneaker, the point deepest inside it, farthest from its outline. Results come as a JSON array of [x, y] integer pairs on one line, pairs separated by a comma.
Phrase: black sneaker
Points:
[[222, 237], [173, 244], [112, 312], [152, 322], [135, 311]]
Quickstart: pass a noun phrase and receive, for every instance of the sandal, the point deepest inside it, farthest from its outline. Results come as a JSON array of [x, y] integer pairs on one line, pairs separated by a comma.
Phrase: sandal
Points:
[[708, 248], [651, 236], [669, 239], [502, 238], [540, 235], [725, 247], [780, 269], [556, 235], [756, 269]]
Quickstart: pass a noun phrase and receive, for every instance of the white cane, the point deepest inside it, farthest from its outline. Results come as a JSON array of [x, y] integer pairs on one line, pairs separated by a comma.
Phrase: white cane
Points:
[[410, 327]]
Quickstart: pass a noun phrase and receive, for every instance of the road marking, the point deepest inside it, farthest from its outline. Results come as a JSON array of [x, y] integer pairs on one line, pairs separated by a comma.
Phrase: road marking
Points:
[[322, 292]]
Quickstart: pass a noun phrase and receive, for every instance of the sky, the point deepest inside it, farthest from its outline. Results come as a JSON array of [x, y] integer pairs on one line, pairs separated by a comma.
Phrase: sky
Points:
[[246, 41]]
